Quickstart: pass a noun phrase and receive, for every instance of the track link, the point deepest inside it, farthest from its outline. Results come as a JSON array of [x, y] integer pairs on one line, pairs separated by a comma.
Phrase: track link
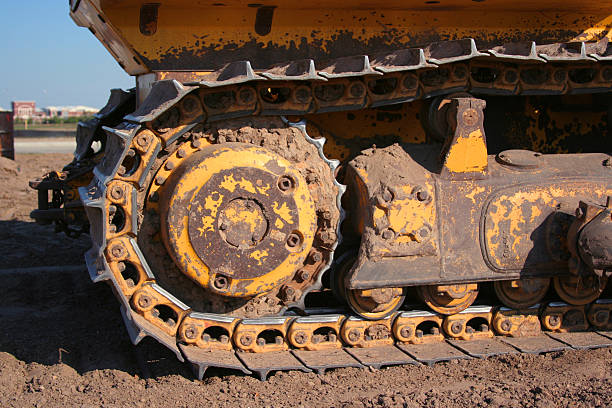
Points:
[[327, 338]]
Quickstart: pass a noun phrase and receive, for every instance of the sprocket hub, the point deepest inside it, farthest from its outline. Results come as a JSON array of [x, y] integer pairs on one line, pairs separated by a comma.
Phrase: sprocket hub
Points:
[[239, 219]]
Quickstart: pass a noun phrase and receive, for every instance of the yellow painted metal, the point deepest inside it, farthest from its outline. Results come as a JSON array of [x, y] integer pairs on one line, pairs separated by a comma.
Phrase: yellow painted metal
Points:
[[196, 173], [186, 29]]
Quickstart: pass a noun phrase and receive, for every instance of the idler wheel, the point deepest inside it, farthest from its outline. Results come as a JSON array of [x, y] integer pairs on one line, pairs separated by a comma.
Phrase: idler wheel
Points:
[[449, 299], [579, 290], [375, 303], [521, 293], [237, 219]]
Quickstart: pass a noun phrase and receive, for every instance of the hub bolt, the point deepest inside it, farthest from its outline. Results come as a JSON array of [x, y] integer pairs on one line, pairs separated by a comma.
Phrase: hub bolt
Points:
[[316, 257], [142, 141], [287, 293], [293, 240], [285, 183], [388, 234], [303, 275], [422, 195], [221, 282], [180, 153]]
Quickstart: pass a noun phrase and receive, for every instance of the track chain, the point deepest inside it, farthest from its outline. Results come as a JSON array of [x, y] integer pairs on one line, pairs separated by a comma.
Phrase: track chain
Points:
[[327, 338]]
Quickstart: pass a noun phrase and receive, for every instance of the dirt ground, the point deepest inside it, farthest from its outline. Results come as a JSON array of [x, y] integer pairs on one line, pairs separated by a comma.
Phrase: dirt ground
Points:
[[62, 343]]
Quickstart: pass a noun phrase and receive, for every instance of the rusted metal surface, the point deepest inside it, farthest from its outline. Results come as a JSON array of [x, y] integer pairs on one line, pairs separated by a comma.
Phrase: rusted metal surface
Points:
[[7, 145]]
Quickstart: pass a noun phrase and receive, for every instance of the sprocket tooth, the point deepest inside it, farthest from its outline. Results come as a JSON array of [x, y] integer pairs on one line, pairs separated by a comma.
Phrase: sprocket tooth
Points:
[[201, 360], [163, 96], [138, 328], [117, 145], [84, 137], [236, 72], [446, 52]]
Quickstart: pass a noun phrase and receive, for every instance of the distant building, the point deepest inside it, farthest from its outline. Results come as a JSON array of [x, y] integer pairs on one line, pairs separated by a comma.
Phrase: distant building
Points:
[[27, 110], [68, 111], [24, 109]]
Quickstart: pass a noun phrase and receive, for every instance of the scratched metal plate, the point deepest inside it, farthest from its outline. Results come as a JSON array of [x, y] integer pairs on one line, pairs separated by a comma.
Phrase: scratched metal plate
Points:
[[483, 348], [377, 357], [433, 352], [536, 345], [263, 363], [201, 359], [582, 340]]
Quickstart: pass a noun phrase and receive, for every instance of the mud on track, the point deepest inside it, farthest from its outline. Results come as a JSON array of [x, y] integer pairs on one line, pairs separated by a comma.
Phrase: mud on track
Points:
[[62, 342]]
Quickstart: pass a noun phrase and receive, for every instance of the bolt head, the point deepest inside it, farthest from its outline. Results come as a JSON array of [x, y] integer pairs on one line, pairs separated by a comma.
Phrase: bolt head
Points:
[[354, 335], [190, 332], [246, 340], [144, 301], [406, 332], [456, 327]]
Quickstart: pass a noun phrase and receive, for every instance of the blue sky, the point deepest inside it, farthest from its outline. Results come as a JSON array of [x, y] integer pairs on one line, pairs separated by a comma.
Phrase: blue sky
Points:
[[46, 57]]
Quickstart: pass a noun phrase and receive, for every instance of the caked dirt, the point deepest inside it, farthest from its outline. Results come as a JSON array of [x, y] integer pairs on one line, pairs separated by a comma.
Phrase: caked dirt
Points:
[[62, 343]]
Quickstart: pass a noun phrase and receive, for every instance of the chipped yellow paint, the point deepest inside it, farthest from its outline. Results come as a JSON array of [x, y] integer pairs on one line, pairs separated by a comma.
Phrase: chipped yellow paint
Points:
[[467, 154], [283, 211], [263, 189], [193, 29], [259, 256], [230, 184], [474, 192], [279, 224]]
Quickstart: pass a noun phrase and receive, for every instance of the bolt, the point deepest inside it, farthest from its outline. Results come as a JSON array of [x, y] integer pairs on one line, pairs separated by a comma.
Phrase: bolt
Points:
[[409, 81], [169, 165], [511, 76], [470, 117], [506, 325], [316, 257], [190, 332], [293, 240], [206, 337], [112, 228], [388, 234], [469, 330], [121, 266], [144, 301], [332, 337], [302, 94], [250, 308], [221, 282], [285, 183], [116, 192], [435, 331], [300, 337], [224, 339], [460, 72], [357, 90], [327, 215], [560, 75], [160, 180], [261, 342], [484, 327], [196, 143], [419, 333], [406, 331], [112, 210], [190, 104], [246, 96], [287, 293], [422, 195], [142, 141], [303, 275], [118, 251], [354, 335], [180, 153], [121, 170], [456, 327], [601, 316], [246, 340], [424, 232], [554, 320], [279, 340]]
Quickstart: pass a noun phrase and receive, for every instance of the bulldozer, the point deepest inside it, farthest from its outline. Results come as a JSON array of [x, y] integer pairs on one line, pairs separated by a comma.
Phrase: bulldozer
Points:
[[309, 185]]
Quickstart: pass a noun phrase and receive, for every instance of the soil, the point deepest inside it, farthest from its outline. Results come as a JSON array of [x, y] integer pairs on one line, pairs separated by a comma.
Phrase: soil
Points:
[[63, 343]]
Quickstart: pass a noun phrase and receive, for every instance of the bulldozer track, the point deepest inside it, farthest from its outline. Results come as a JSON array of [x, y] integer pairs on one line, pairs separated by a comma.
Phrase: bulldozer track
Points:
[[327, 338]]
